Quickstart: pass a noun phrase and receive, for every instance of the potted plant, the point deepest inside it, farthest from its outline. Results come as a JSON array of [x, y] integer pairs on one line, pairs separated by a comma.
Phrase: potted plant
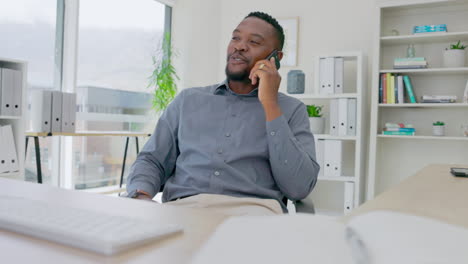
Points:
[[317, 122], [438, 128], [163, 79], [455, 55]]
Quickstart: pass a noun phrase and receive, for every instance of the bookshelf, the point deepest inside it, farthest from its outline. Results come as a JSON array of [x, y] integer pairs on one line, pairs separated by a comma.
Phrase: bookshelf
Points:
[[394, 158], [17, 122], [328, 196]]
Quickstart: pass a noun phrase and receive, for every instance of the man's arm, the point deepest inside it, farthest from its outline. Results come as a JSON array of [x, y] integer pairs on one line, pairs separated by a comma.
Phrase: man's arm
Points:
[[156, 161], [291, 148]]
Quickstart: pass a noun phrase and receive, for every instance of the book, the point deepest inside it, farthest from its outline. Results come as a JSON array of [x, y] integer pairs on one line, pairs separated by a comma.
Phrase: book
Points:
[[398, 133], [410, 67], [382, 76], [410, 63], [410, 59], [384, 92], [409, 89], [400, 129], [391, 91], [383, 237]]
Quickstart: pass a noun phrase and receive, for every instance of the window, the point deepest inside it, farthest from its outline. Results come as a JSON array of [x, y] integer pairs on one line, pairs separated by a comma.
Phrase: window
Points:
[[28, 32], [117, 39]]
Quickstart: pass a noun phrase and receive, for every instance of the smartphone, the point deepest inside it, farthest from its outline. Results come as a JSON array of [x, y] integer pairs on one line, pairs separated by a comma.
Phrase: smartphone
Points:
[[459, 172], [275, 55]]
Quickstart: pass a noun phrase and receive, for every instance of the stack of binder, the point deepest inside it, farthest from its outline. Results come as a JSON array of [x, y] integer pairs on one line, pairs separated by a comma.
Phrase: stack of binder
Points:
[[53, 111], [331, 75], [8, 156], [11, 82], [343, 117]]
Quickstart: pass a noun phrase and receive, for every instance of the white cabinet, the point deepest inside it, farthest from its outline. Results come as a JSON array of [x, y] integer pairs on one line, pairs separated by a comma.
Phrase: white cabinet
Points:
[[16, 120], [332, 193], [393, 158]]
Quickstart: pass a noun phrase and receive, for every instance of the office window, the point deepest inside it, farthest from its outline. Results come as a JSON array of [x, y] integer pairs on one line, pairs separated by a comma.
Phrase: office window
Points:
[[28, 33], [117, 39]]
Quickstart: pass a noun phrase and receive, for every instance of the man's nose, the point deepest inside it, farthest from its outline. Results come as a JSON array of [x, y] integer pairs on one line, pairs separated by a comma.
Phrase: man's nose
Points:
[[241, 46]]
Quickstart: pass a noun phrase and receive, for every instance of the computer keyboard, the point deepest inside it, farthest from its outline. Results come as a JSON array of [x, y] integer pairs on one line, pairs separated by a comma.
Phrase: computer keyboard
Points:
[[94, 231]]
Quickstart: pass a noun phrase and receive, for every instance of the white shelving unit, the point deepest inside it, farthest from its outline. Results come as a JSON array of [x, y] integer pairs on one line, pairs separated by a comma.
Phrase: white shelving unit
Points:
[[393, 158], [332, 188], [17, 122]]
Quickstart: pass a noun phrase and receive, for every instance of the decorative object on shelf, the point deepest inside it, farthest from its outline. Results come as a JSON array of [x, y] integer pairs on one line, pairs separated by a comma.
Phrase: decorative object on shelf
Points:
[[430, 29], [395, 32], [296, 82], [438, 128], [317, 122], [410, 51], [164, 76], [455, 55], [290, 27], [465, 94]]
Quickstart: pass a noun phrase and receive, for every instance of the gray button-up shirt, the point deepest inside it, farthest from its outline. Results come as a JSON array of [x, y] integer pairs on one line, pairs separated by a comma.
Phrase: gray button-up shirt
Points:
[[212, 140]]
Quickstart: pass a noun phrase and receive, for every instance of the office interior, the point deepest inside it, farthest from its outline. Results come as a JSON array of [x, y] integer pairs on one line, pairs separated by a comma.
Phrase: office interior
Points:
[[103, 53]]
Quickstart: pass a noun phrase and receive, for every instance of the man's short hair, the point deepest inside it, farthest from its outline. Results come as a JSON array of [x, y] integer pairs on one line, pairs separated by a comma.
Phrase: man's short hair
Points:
[[272, 21]]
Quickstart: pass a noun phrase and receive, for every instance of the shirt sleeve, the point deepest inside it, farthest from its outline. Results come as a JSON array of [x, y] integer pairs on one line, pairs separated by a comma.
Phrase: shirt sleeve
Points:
[[291, 148], [156, 161]]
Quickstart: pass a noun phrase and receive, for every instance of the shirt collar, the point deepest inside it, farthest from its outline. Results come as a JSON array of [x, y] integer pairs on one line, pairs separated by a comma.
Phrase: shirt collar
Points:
[[223, 89]]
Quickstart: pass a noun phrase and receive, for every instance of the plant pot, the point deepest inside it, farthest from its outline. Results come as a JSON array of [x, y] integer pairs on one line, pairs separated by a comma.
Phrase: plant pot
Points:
[[438, 131], [317, 125], [454, 58]]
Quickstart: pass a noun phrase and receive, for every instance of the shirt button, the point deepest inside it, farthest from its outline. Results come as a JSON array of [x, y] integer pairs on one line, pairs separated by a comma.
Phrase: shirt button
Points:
[[234, 115], [216, 173], [272, 133], [227, 134], [285, 161], [220, 151]]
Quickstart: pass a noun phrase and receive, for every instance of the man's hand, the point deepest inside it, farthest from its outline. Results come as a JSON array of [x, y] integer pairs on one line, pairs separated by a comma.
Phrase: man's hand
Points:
[[266, 75], [142, 196]]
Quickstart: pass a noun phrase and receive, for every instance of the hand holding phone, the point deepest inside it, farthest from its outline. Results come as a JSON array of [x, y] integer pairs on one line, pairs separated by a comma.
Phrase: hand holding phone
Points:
[[274, 54]]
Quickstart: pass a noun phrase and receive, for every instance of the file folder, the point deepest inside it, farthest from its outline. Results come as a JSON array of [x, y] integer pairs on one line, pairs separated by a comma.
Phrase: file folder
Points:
[[3, 153], [68, 112], [339, 74], [348, 197], [10, 149], [320, 154], [333, 158], [41, 111], [334, 117], [56, 111], [326, 75], [342, 116], [352, 112], [8, 82], [17, 93]]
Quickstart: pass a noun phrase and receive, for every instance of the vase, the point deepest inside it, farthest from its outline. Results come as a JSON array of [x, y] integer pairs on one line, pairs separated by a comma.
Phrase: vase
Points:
[[317, 125], [296, 82], [438, 131], [454, 58]]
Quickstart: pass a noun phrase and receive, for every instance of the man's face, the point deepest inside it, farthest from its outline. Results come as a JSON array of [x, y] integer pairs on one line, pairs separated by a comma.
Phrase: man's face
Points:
[[252, 40]]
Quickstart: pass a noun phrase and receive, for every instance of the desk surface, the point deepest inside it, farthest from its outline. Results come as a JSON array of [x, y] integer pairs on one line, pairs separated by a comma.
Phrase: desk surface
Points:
[[88, 134], [432, 192], [176, 249]]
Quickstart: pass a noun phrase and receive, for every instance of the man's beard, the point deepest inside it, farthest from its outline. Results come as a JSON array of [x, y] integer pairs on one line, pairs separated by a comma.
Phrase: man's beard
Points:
[[237, 76]]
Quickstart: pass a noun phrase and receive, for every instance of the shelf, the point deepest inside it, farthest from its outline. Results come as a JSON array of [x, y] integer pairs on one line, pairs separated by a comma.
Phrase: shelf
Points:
[[10, 117], [423, 105], [325, 136], [323, 96], [432, 71], [424, 38], [424, 137], [340, 179], [10, 174]]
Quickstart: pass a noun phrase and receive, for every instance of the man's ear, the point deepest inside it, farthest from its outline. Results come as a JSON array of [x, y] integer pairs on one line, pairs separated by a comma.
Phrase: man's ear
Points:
[[280, 55]]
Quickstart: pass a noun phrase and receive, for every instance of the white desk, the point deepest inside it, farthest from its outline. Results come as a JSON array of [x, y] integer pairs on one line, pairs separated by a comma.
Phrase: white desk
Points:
[[15, 248]]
